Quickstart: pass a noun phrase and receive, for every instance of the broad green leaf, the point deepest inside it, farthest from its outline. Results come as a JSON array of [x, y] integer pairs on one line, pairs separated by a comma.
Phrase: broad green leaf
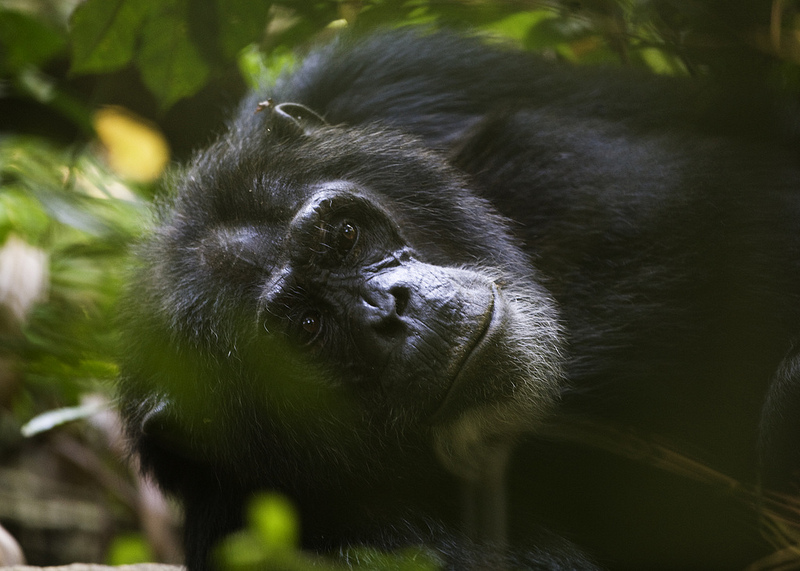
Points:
[[26, 41], [170, 64], [241, 22], [104, 32]]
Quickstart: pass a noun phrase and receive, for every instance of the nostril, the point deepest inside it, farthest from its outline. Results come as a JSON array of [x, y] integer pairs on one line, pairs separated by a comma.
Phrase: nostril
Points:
[[401, 298]]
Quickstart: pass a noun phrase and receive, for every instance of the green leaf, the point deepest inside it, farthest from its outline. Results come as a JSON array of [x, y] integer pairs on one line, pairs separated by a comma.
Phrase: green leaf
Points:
[[22, 214], [26, 41], [241, 23], [259, 70], [73, 210], [128, 549], [550, 31], [240, 551], [104, 32], [470, 14], [171, 65], [275, 520], [45, 90], [519, 24], [391, 13]]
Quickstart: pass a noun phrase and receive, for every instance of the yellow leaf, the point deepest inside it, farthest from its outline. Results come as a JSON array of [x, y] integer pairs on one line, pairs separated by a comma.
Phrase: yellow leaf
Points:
[[135, 149]]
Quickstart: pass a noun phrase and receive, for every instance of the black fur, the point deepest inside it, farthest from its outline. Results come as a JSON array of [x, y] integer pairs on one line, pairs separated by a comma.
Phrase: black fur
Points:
[[641, 239]]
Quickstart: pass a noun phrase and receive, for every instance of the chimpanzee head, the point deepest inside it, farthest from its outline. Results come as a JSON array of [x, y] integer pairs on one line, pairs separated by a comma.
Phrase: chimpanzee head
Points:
[[326, 289]]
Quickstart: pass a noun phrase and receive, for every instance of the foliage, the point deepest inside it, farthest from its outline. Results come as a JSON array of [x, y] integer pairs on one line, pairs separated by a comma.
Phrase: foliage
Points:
[[271, 541], [68, 207], [129, 549], [179, 45]]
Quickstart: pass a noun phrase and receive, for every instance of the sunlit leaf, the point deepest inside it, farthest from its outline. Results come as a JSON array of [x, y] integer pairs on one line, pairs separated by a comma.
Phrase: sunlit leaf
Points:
[[548, 32], [275, 520], [135, 149], [518, 25], [22, 214], [128, 549], [259, 70]]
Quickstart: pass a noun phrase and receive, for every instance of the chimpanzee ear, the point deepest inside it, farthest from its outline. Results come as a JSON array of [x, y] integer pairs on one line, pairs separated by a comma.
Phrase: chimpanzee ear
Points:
[[301, 115], [293, 117]]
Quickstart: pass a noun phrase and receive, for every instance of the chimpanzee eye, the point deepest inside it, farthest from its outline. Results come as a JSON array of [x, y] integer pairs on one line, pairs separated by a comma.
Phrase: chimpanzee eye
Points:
[[346, 237], [311, 323]]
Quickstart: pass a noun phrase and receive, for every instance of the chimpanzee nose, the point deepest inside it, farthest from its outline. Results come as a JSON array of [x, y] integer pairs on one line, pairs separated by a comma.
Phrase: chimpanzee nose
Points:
[[383, 309]]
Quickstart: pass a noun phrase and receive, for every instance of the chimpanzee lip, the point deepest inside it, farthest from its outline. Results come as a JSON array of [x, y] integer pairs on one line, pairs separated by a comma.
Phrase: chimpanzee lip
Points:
[[488, 329]]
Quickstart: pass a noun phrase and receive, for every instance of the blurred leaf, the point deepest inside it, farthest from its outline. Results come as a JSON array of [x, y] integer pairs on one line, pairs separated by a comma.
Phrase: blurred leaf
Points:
[[135, 148], [470, 13], [589, 49], [661, 62], [395, 13], [241, 551], [519, 25], [259, 71], [318, 14], [203, 22], [171, 65], [23, 214], [241, 22], [43, 89], [274, 518], [551, 30], [23, 276], [73, 211], [66, 203], [104, 33], [128, 549], [52, 418], [296, 34], [26, 41]]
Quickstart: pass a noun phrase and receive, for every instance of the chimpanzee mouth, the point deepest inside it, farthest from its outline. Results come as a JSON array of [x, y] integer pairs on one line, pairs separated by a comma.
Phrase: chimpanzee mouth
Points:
[[487, 330]]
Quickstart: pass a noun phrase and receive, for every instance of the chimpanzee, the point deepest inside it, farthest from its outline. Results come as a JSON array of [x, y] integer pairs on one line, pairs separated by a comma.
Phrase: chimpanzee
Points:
[[412, 269]]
